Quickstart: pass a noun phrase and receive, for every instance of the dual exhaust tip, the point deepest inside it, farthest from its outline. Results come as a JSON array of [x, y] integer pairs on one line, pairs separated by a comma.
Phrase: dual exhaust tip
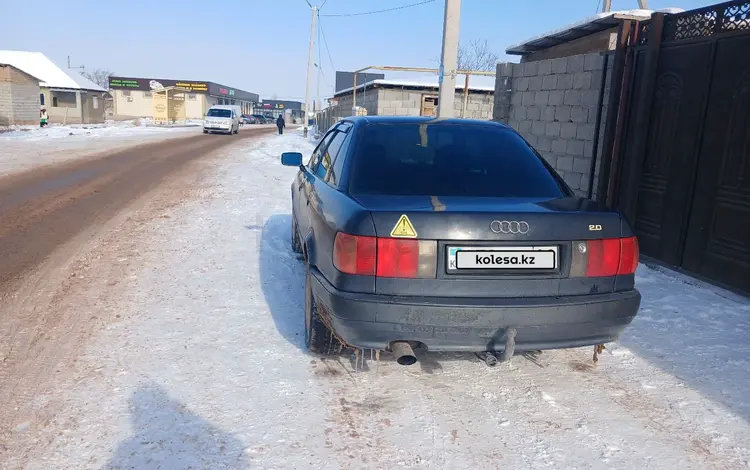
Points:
[[404, 353]]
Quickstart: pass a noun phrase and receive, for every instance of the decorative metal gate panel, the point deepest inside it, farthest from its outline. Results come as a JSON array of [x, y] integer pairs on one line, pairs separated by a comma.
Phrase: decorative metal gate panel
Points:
[[684, 180]]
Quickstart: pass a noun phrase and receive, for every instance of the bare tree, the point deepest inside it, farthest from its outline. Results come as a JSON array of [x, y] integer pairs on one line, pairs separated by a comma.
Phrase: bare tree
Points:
[[476, 56], [99, 76]]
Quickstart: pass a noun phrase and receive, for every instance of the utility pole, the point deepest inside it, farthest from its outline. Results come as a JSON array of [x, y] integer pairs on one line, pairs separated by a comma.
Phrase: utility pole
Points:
[[317, 92], [449, 59], [309, 65]]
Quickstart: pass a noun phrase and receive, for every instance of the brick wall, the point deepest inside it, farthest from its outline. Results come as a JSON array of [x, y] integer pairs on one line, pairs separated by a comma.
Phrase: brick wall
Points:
[[553, 104], [404, 102], [19, 98], [6, 104], [368, 100], [401, 102]]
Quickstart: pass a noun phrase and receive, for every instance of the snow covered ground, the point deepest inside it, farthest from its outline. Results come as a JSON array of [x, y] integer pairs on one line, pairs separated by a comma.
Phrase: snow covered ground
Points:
[[26, 147], [206, 368], [89, 131]]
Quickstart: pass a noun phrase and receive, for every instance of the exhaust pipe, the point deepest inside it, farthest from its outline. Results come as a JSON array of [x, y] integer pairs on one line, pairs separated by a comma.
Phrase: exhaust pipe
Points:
[[403, 353]]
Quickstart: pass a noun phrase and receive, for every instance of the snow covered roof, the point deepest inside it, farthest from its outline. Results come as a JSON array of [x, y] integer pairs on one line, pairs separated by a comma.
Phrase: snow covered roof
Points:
[[579, 29], [49, 74], [476, 83]]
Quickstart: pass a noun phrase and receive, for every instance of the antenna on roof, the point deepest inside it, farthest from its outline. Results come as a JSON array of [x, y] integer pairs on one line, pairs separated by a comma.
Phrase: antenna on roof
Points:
[[81, 67]]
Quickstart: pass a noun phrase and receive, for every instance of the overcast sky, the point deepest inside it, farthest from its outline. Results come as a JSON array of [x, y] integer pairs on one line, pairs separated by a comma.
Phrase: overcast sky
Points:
[[261, 45]]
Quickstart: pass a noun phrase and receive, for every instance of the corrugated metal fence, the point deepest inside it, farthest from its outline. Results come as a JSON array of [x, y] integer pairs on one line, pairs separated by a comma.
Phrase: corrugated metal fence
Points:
[[328, 117]]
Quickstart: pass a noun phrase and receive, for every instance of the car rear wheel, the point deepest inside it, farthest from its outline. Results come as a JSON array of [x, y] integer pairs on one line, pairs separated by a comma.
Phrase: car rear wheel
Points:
[[318, 338]]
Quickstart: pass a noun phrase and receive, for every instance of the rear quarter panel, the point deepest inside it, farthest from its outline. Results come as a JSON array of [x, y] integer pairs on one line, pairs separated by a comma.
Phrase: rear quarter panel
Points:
[[332, 211]]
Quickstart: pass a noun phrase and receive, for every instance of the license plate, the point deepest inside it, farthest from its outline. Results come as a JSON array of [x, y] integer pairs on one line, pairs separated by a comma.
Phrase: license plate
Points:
[[522, 257]]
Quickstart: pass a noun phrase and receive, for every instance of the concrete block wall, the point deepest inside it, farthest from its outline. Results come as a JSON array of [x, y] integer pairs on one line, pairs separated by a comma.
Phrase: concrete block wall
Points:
[[553, 103], [367, 100], [479, 105], [401, 102], [19, 98], [26, 103], [6, 104]]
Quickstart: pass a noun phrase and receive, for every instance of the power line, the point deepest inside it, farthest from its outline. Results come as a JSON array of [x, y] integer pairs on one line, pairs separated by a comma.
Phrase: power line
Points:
[[325, 42], [383, 11], [324, 4], [308, 3]]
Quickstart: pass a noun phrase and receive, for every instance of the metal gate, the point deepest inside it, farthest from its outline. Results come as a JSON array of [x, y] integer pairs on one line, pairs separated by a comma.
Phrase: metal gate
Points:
[[684, 176]]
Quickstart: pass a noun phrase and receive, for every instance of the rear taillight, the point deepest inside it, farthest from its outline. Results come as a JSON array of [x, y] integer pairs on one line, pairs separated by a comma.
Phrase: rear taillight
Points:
[[354, 255], [385, 257], [604, 258]]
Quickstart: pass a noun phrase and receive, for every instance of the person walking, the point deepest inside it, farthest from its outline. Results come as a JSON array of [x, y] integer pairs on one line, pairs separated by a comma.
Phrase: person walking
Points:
[[280, 124], [43, 117]]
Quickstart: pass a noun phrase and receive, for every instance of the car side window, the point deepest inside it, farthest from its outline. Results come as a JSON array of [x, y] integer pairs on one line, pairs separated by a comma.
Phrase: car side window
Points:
[[334, 173], [318, 152], [329, 156]]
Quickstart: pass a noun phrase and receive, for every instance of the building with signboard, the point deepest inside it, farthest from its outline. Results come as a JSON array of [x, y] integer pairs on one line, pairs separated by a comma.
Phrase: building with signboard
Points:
[[275, 108], [133, 97]]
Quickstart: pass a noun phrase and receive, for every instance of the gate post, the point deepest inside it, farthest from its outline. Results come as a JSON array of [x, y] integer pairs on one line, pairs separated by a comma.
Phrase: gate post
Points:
[[618, 69], [627, 192]]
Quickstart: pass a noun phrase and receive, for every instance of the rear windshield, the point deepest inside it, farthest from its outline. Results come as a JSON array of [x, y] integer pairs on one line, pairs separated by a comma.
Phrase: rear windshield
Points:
[[448, 159], [225, 113]]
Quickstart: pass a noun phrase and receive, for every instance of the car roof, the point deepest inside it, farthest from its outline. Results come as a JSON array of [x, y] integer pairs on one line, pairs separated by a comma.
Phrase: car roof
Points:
[[423, 119]]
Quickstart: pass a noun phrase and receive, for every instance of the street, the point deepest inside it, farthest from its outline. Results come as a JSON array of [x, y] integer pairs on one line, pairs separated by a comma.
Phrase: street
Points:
[[167, 331]]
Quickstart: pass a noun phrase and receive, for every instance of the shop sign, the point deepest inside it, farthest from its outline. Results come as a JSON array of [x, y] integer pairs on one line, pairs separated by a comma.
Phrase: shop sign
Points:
[[148, 84]]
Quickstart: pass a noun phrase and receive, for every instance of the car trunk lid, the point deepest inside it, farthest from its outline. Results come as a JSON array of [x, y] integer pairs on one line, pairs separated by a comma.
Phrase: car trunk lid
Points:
[[543, 228]]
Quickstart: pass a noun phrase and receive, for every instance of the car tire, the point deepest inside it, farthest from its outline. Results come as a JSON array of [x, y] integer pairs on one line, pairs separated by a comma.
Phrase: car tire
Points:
[[205, 131], [318, 338], [296, 242]]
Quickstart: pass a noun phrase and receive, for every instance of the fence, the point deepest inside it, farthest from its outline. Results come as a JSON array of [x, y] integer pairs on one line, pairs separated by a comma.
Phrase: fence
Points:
[[327, 118]]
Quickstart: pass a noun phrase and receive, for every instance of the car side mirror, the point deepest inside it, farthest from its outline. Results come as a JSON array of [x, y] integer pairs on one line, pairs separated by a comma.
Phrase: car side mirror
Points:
[[291, 159]]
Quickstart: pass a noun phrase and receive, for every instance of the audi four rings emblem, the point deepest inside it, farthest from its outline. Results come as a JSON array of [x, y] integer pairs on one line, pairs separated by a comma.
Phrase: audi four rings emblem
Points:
[[509, 226]]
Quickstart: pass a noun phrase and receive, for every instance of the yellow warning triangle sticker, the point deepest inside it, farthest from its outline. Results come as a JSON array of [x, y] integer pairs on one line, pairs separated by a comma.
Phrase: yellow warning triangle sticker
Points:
[[404, 228]]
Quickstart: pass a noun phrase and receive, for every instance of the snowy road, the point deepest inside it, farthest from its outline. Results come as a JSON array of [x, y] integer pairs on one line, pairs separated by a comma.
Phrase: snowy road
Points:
[[36, 147], [201, 364]]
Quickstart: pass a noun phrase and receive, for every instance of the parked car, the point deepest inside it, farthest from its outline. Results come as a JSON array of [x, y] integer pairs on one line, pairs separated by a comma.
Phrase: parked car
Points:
[[261, 119], [453, 235], [222, 118], [249, 119]]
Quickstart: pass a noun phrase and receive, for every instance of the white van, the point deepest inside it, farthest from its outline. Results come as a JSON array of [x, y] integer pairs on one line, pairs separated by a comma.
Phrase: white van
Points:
[[222, 118]]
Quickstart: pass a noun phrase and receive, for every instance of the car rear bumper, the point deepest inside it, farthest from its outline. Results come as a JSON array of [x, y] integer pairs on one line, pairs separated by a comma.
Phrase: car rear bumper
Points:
[[373, 321]]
